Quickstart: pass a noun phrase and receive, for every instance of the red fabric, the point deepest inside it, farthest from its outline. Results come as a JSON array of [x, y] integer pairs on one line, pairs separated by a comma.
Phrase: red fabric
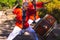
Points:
[[18, 13], [30, 5], [26, 25], [39, 4], [31, 11]]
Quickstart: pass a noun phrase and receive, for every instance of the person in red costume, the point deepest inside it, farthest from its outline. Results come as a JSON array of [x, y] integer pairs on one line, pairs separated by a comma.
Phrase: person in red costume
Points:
[[33, 13], [21, 24], [34, 8]]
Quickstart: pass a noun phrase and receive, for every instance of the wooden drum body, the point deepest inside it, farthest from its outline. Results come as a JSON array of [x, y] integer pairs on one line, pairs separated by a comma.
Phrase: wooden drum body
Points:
[[44, 26]]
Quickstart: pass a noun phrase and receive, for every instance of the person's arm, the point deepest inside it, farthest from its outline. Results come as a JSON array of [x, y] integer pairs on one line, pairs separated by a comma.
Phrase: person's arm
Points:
[[41, 4]]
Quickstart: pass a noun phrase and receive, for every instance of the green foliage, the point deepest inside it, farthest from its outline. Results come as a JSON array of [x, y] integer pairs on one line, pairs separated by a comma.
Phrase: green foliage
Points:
[[43, 12], [8, 3], [51, 8], [56, 14]]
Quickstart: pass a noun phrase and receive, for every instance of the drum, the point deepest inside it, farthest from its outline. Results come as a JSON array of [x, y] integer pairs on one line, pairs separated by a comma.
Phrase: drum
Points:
[[44, 25], [50, 19]]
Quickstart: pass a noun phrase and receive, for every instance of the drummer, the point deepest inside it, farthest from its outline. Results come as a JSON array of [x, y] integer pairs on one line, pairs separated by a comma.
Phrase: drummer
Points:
[[34, 11]]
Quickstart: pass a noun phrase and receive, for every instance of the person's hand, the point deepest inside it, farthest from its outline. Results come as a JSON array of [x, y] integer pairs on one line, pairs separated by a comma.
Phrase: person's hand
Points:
[[33, 25]]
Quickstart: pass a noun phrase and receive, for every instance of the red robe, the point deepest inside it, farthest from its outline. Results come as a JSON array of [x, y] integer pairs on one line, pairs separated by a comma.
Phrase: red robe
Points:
[[31, 11], [18, 13]]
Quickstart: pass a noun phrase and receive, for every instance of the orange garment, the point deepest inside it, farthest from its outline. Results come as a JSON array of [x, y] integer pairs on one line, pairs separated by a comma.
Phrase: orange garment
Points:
[[32, 16], [38, 5], [32, 11], [18, 13]]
